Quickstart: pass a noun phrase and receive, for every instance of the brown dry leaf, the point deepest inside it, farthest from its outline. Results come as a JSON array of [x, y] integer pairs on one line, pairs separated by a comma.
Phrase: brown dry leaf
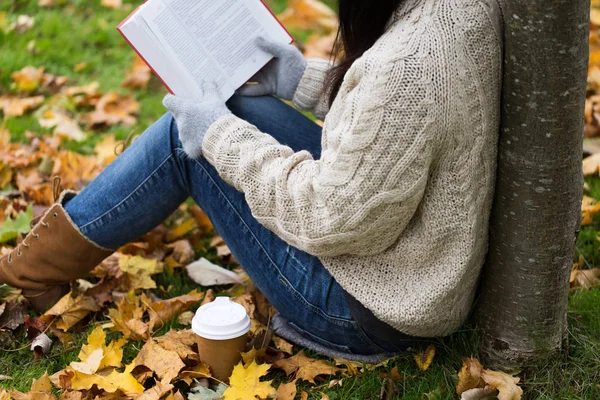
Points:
[[245, 383], [166, 364], [585, 278], [70, 310], [303, 396], [181, 342], [504, 383], [28, 78], [113, 109], [105, 150], [16, 106], [64, 126], [591, 164], [116, 4], [318, 46], [201, 219], [283, 345], [183, 252], [89, 90], [469, 376], [200, 370], [75, 170], [209, 297], [185, 318], [425, 357], [163, 311], [286, 391], [138, 76], [589, 208], [41, 389], [309, 15], [127, 317], [305, 368], [156, 392], [46, 3]]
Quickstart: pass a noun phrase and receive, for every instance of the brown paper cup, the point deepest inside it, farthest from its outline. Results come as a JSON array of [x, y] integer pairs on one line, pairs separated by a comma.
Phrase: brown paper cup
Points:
[[221, 356], [222, 329]]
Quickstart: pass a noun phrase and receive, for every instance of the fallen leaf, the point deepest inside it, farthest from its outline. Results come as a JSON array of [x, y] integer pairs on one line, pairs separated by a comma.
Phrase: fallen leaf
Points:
[[479, 394], [163, 311], [24, 23], [309, 15], [283, 345], [139, 270], [425, 357], [203, 393], [127, 317], [13, 315], [112, 109], [185, 318], [504, 383], [116, 4], [28, 78], [205, 273], [470, 375], [112, 382], [585, 278], [138, 75], [64, 126], [17, 106], [166, 364], [201, 218], [287, 391], [112, 353], [591, 164], [69, 310], [182, 251], [305, 368], [155, 393], [105, 150], [181, 342], [41, 345], [245, 383]]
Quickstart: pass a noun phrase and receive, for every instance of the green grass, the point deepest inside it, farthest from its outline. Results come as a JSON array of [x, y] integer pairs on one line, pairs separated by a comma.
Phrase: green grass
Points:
[[83, 31]]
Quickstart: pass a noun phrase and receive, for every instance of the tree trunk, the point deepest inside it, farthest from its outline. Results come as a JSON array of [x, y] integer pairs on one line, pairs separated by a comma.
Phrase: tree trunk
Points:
[[522, 306]]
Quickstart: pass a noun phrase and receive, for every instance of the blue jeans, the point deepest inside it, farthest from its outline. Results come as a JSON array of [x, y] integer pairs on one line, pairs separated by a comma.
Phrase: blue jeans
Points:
[[147, 183]]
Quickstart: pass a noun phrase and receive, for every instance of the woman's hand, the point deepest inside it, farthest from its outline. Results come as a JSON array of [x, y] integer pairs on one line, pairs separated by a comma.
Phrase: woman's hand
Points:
[[194, 117], [281, 75]]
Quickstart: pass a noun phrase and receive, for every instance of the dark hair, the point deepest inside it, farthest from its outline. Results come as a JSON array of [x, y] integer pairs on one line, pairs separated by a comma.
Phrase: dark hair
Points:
[[362, 22]]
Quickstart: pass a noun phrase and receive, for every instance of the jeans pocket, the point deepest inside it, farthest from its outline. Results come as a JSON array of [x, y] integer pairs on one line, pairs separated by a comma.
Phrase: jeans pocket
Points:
[[318, 340]]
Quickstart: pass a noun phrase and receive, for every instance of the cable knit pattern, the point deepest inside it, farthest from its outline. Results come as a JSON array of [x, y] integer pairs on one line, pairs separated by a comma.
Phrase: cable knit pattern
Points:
[[397, 206]]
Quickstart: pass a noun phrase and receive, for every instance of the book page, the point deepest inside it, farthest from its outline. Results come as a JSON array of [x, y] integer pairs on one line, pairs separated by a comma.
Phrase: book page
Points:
[[214, 40], [196, 61]]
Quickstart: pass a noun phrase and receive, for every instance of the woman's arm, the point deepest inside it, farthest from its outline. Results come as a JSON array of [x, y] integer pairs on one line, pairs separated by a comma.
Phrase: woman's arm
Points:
[[310, 94], [361, 194]]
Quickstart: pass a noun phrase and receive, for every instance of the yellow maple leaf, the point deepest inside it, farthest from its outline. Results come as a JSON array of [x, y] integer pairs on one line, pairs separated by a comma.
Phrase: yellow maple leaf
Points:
[[140, 269], [425, 357], [127, 317], [105, 150], [111, 353], [245, 383], [112, 382]]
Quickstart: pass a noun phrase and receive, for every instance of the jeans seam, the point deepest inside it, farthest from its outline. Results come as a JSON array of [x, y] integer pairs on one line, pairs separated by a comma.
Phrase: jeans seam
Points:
[[129, 195], [312, 307]]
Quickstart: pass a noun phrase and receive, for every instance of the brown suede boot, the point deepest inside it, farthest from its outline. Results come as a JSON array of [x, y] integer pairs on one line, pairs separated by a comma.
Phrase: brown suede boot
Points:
[[52, 254]]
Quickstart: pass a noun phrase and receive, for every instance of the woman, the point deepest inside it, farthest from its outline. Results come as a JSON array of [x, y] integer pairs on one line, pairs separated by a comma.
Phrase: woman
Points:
[[367, 234]]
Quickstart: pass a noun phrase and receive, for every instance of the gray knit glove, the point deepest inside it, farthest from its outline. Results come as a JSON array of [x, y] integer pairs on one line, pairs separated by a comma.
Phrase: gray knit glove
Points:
[[281, 75], [194, 117]]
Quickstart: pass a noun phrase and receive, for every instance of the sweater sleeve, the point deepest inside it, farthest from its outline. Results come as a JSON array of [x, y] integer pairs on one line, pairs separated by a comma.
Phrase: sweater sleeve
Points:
[[362, 192], [310, 94]]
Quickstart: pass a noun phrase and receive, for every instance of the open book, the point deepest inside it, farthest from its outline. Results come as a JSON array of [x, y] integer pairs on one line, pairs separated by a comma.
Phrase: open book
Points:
[[187, 42]]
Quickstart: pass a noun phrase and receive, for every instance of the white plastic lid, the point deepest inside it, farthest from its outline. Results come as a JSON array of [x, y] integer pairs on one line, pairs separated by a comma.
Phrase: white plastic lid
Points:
[[221, 319]]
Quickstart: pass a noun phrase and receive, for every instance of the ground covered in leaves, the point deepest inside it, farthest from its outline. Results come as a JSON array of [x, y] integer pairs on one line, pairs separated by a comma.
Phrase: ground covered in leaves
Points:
[[72, 95]]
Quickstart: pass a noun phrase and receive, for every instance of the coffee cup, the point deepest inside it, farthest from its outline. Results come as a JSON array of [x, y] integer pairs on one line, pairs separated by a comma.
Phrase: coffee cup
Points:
[[221, 329]]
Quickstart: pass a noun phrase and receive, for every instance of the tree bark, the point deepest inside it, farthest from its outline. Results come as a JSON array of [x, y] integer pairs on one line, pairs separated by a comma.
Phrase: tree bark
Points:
[[522, 304]]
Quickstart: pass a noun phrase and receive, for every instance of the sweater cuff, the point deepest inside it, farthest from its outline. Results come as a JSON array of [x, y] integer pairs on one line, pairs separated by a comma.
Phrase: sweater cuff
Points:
[[218, 135], [311, 84]]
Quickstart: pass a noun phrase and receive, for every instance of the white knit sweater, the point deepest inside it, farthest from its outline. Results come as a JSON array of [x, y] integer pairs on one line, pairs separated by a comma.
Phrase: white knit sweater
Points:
[[397, 206]]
